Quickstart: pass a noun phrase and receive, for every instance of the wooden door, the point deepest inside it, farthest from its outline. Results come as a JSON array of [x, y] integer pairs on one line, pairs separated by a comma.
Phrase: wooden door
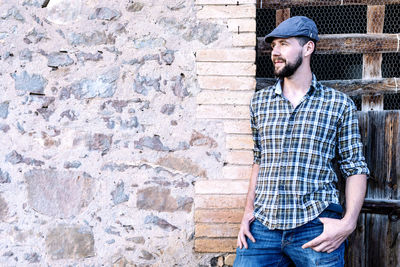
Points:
[[376, 241]]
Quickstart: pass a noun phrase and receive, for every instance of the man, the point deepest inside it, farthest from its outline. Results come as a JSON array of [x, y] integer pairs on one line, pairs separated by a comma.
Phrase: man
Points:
[[292, 214]]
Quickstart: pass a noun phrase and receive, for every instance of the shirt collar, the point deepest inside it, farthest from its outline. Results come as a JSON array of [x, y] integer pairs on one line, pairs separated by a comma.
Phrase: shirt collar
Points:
[[315, 85]]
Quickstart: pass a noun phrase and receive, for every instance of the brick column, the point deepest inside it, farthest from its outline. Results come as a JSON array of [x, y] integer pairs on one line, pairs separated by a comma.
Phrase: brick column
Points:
[[226, 76]]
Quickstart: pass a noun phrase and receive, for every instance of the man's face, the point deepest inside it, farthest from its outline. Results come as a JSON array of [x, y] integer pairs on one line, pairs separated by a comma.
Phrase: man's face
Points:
[[287, 56]]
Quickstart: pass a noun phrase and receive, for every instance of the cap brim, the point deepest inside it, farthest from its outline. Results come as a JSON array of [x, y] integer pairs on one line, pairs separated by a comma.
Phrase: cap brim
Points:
[[270, 38]]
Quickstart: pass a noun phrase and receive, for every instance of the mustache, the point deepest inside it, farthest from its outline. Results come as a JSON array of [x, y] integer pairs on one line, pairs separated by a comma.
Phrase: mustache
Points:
[[278, 58]]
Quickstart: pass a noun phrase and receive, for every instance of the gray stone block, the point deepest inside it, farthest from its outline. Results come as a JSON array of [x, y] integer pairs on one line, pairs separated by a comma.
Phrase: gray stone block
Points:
[[4, 109], [34, 83], [105, 13], [118, 195], [58, 59], [59, 194], [70, 242]]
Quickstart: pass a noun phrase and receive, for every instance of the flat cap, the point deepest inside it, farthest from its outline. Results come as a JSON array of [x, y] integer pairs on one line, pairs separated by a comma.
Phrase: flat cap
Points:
[[294, 26]]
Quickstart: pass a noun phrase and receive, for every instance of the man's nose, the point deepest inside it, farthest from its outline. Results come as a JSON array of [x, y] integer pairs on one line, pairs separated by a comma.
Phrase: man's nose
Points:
[[275, 51]]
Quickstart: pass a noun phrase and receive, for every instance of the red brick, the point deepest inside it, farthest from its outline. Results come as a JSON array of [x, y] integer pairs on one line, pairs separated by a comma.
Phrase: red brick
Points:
[[217, 230], [220, 55], [223, 2], [233, 11], [242, 25], [213, 245], [226, 69], [244, 40], [219, 201], [236, 172], [240, 157], [218, 215], [227, 82], [224, 97], [222, 112], [237, 126], [221, 187], [239, 142]]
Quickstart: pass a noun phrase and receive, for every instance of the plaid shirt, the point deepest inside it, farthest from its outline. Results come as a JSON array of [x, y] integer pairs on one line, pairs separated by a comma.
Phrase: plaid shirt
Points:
[[295, 148]]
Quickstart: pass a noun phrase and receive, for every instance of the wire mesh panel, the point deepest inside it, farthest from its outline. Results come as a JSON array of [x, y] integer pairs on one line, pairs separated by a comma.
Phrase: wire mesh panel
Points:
[[392, 21], [335, 19], [391, 65], [359, 40]]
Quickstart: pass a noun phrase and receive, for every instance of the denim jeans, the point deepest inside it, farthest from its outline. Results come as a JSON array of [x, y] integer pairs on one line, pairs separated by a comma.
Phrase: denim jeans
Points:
[[283, 247]]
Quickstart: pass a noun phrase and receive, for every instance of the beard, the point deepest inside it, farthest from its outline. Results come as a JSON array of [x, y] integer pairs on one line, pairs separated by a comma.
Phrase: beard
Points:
[[290, 68]]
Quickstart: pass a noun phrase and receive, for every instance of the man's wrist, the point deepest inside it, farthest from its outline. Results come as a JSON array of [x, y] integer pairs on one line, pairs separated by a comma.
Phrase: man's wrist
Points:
[[248, 214], [349, 223]]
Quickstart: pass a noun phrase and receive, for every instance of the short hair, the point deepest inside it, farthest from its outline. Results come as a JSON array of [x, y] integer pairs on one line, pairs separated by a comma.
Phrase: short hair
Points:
[[304, 39]]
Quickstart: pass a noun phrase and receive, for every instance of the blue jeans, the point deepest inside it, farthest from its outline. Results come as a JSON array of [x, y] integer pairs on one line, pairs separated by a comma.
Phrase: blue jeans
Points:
[[283, 247]]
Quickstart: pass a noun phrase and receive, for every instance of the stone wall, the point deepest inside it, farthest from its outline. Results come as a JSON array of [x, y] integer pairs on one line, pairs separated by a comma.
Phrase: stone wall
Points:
[[108, 122]]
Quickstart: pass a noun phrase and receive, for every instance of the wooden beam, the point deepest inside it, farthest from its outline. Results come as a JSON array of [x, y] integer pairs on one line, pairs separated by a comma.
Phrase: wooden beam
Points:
[[372, 102], [375, 19], [372, 62], [281, 15], [382, 206], [347, 44], [351, 87], [280, 4], [372, 66]]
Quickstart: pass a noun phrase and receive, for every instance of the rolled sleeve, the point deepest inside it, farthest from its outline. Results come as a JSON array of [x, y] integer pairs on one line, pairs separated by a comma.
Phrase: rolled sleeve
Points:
[[350, 147], [256, 138]]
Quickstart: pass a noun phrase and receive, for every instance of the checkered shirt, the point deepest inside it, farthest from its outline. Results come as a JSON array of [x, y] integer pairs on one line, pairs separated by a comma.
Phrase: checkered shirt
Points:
[[295, 148]]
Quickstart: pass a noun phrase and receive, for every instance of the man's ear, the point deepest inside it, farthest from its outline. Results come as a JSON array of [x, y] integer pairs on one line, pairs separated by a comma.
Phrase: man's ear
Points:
[[310, 46]]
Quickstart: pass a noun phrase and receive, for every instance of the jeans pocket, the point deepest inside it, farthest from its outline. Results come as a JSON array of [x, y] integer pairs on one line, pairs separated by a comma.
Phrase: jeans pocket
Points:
[[330, 214], [328, 260], [316, 221], [333, 259]]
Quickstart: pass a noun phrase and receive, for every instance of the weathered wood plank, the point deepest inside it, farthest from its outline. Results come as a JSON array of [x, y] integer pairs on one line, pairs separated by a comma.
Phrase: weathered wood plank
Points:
[[381, 206], [380, 135], [294, 3], [355, 253], [281, 15], [376, 240], [346, 44], [372, 62], [350, 87], [382, 244], [372, 102], [372, 66], [392, 156], [375, 19]]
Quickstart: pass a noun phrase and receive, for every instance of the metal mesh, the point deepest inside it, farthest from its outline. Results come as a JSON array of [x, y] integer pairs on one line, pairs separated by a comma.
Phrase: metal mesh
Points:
[[392, 21], [391, 65], [342, 61], [335, 19], [391, 102]]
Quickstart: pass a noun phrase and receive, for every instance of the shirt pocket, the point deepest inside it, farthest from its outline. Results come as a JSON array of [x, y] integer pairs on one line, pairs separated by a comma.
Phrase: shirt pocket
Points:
[[319, 127]]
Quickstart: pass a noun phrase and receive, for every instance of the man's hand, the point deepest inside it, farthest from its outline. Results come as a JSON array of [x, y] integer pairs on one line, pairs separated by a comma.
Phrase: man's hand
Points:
[[334, 234], [244, 231]]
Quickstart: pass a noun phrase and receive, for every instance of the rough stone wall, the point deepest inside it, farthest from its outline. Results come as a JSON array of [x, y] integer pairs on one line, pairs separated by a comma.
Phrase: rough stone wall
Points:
[[100, 142]]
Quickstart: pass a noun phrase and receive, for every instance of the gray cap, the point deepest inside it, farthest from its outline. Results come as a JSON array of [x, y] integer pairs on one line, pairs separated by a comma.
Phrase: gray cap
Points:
[[294, 26]]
